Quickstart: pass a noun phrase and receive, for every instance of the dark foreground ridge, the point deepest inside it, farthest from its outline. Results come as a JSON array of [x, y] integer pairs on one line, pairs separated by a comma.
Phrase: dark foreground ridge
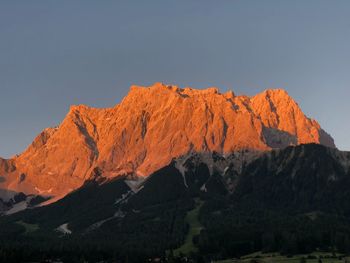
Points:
[[207, 206]]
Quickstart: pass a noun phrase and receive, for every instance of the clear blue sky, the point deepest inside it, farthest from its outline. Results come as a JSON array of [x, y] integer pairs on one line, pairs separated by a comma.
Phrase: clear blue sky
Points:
[[57, 53]]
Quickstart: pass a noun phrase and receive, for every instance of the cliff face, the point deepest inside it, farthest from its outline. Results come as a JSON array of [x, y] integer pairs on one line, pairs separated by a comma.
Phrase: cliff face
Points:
[[151, 126]]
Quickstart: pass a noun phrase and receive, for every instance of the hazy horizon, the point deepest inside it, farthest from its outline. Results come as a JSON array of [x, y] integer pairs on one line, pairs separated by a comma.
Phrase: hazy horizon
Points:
[[57, 54]]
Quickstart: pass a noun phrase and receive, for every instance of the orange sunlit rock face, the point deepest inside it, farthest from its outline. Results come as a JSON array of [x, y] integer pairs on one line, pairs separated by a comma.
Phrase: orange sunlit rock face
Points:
[[151, 126]]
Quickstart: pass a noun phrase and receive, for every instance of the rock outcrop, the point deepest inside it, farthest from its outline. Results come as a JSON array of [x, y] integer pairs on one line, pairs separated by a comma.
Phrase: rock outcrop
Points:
[[150, 127]]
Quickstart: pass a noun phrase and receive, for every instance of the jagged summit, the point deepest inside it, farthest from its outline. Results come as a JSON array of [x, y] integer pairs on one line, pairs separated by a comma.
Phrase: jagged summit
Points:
[[162, 87], [151, 126], [158, 87]]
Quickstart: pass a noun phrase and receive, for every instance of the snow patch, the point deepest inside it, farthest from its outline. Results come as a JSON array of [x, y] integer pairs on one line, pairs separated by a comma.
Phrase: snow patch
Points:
[[135, 185], [124, 198], [17, 208], [64, 229], [182, 169]]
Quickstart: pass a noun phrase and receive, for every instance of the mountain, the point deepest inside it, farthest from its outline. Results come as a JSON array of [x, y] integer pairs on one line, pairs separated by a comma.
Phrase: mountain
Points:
[[298, 179], [292, 200], [151, 126]]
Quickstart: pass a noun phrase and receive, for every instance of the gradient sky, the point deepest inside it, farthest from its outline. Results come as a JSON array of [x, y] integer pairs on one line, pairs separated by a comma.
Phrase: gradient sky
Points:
[[57, 53]]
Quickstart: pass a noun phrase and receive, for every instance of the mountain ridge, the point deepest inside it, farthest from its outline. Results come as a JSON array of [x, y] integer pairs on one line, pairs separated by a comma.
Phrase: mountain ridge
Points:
[[299, 190], [150, 127]]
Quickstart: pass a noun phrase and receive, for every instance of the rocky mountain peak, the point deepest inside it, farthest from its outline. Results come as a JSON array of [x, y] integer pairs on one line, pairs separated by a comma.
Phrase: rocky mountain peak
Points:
[[151, 126]]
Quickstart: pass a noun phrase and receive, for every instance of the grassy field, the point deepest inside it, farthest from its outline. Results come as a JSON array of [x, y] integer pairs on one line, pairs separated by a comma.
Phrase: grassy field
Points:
[[277, 258], [194, 229], [29, 227]]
